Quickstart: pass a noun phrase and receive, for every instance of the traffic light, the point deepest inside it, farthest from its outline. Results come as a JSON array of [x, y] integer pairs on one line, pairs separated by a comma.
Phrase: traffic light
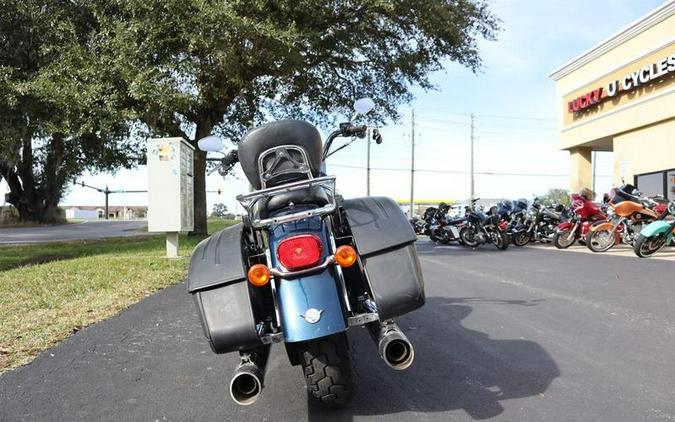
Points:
[[219, 191]]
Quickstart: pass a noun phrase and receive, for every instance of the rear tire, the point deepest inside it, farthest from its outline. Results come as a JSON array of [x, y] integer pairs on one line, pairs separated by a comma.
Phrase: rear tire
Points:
[[648, 246], [560, 240], [327, 366]]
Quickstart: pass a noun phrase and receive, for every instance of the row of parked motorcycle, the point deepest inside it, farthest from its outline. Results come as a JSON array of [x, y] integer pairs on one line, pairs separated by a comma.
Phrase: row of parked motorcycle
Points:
[[625, 216]]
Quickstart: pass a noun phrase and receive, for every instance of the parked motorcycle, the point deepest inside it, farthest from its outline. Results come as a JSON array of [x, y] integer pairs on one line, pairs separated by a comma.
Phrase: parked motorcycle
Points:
[[441, 227], [305, 266], [656, 235], [540, 224], [418, 225], [484, 228], [631, 213], [584, 213]]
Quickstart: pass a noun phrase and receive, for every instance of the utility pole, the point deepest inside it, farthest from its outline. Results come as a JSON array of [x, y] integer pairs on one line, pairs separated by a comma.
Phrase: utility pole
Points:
[[472, 141], [107, 192], [368, 166], [412, 165]]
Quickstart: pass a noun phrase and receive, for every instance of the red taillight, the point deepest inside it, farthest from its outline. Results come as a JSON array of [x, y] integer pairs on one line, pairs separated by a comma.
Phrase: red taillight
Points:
[[298, 252]]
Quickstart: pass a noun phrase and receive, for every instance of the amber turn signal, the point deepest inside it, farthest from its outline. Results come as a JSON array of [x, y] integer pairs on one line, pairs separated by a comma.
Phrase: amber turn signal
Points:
[[345, 256], [259, 275]]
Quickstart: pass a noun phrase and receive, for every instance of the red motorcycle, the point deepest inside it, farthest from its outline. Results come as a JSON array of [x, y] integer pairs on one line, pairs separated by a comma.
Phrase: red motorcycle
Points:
[[585, 213]]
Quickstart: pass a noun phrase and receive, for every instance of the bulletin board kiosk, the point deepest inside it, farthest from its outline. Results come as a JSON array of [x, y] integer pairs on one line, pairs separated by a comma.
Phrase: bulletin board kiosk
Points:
[[170, 189]]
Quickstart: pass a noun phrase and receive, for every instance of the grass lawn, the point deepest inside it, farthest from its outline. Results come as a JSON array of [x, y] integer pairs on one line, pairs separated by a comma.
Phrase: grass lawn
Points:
[[49, 291]]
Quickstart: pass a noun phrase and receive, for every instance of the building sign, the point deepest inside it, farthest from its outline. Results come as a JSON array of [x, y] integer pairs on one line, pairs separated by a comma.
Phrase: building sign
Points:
[[628, 82]]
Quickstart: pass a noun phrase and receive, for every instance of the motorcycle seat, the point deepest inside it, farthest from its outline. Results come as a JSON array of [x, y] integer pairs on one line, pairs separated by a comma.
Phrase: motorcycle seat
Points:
[[314, 195], [256, 161], [455, 220]]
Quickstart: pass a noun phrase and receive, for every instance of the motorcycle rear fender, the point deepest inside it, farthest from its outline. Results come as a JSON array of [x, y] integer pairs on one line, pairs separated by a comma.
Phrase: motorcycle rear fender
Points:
[[320, 291], [656, 227]]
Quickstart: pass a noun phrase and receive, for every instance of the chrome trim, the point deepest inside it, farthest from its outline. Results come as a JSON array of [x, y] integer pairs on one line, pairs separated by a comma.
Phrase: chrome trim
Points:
[[338, 270], [271, 338], [363, 319], [250, 200], [281, 273], [280, 152], [273, 286]]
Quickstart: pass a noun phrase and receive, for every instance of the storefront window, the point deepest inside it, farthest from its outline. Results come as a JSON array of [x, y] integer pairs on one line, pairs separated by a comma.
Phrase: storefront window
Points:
[[650, 184], [670, 177]]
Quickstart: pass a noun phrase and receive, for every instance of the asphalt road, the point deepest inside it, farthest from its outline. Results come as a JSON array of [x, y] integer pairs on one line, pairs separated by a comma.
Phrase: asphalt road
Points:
[[76, 231], [525, 334]]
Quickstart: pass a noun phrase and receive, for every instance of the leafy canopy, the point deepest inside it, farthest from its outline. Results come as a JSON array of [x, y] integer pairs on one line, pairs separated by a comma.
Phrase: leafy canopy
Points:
[[235, 63]]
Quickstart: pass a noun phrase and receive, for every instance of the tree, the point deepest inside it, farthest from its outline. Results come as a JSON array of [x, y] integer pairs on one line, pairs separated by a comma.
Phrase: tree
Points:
[[58, 104], [219, 210], [193, 68], [556, 196]]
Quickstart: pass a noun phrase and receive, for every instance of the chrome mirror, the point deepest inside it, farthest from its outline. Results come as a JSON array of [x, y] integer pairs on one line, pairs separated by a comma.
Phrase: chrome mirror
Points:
[[210, 144]]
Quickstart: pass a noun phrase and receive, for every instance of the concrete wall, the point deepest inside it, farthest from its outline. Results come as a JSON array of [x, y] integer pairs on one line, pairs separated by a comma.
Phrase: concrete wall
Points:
[[643, 151]]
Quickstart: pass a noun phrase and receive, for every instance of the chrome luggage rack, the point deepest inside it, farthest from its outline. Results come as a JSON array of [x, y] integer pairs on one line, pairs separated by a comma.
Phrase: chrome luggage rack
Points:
[[250, 201]]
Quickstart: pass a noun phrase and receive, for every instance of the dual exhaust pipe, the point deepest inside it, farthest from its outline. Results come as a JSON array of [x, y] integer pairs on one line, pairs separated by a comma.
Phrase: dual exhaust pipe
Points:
[[248, 379]]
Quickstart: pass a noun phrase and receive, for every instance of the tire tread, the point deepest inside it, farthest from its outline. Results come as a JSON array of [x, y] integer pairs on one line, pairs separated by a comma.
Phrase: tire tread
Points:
[[328, 372]]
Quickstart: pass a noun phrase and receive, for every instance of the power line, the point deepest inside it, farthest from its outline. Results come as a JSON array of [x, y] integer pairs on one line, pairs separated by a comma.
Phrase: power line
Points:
[[492, 116], [484, 173]]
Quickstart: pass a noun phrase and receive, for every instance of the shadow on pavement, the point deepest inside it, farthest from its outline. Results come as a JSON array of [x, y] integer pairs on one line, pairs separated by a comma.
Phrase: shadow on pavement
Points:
[[455, 368]]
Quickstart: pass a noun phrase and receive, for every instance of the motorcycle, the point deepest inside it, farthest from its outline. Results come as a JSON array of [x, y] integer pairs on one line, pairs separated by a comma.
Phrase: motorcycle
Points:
[[656, 235], [631, 212], [442, 228], [540, 224], [584, 213], [482, 228], [418, 225], [305, 265]]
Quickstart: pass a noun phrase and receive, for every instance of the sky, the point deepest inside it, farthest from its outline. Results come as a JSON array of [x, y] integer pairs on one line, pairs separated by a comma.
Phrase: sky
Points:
[[515, 122]]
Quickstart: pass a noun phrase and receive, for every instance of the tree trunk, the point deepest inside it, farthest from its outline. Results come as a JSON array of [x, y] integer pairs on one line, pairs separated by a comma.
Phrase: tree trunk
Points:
[[36, 203], [200, 192], [204, 127]]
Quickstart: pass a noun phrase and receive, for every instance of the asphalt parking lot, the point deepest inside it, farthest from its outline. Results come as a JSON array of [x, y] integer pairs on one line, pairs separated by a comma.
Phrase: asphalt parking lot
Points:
[[526, 334]]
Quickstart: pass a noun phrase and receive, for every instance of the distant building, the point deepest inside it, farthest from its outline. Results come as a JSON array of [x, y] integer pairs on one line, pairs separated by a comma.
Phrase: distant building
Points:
[[86, 212]]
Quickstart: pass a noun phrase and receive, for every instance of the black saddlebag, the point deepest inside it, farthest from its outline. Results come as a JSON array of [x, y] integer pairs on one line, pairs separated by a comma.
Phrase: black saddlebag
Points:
[[217, 282], [385, 241]]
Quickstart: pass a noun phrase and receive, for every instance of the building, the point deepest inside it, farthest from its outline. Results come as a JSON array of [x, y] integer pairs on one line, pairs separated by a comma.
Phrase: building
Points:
[[619, 96], [114, 212]]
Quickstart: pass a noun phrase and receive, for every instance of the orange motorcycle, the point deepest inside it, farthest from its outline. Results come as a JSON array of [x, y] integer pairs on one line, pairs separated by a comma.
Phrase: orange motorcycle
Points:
[[630, 214]]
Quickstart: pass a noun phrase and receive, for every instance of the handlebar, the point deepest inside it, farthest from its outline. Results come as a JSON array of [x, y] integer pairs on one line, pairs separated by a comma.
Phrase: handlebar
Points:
[[347, 130], [359, 131]]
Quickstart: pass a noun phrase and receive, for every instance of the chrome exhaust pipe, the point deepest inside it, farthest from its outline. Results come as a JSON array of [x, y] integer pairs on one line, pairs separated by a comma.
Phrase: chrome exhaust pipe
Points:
[[248, 379], [392, 345]]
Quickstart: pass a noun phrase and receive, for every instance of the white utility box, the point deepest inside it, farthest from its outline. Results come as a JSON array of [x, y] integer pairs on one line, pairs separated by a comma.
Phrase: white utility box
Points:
[[170, 188]]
